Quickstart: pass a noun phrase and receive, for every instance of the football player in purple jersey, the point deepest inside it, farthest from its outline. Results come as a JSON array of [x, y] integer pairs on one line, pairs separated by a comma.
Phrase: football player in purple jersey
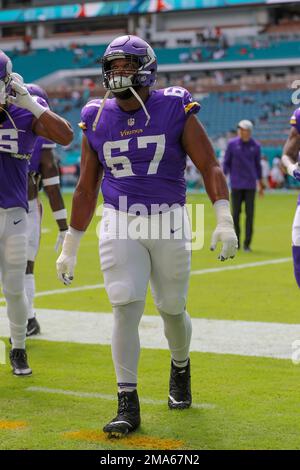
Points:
[[42, 169], [290, 160], [135, 145], [22, 119]]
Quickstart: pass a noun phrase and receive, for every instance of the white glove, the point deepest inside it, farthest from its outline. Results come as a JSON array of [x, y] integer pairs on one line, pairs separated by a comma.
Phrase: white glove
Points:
[[16, 77], [224, 231], [293, 169], [66, 261], [60, 239], [23, 99]]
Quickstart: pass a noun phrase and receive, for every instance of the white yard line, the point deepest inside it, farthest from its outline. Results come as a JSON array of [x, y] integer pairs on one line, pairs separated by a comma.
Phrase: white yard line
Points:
[[69, 290], [64, 290], [243, 338], [235, 267], [72, 393]]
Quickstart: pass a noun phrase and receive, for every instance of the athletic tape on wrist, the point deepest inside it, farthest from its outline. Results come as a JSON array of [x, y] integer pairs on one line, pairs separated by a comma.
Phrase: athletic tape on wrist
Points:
[[51, 181], [289, 165], [222, 209], [61, 214]]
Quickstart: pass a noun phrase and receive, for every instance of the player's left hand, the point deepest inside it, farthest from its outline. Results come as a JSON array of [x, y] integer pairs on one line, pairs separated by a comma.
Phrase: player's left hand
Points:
[[66, 261], [60, 239], [224, 231], [65, 265], [227, 236]]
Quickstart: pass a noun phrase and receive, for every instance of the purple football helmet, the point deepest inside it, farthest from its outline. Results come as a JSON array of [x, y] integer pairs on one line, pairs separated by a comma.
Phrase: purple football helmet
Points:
[[142, 59], [5, 79], [36, 90]]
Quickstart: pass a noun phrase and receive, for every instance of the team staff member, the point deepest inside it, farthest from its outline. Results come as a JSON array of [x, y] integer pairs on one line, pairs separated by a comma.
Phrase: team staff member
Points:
[[242, 163]]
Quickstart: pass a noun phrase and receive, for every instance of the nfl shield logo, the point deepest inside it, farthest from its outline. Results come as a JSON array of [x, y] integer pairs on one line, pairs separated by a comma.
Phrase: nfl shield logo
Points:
[[130, 122]]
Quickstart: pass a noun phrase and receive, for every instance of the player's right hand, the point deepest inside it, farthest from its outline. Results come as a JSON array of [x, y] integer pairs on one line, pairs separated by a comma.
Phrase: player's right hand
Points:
[[60, 239], [65, 266], [23, 99]]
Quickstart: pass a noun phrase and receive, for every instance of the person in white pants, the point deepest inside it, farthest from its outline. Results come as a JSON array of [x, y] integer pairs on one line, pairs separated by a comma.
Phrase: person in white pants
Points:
[[138, 142], [43, 171], [22, 120]]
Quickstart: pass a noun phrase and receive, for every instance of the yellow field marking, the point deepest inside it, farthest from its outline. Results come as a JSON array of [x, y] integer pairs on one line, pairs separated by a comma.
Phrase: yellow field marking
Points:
[[12, 425], [134, 441]]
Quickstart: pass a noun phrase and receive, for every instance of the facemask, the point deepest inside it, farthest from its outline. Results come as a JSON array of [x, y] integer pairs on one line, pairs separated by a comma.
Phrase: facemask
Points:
[[119, 83], [2, 92]]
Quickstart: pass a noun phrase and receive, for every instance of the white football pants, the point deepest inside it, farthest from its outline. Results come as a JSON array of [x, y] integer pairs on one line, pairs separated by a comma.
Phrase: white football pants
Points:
[[34, 228], [162, 256], [13, 259], [34, 236]]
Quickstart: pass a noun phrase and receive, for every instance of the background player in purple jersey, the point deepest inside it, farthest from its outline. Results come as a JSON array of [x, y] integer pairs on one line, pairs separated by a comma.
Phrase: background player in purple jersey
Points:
[[42, 168], [138, 142], [290, 160], [22, 119]]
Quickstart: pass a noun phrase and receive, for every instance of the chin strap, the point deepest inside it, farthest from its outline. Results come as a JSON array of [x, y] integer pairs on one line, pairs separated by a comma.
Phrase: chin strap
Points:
[[103, 103], [10, 118], [141, 103], [100, 110]]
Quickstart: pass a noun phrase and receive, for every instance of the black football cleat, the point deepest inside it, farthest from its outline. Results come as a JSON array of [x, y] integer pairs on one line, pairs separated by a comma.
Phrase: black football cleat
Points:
[[180, 395], [128, 418], [18, 360], [33, 327]]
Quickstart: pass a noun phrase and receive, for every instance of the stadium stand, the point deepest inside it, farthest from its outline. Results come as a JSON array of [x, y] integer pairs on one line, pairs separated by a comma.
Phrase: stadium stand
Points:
[[86, 56]]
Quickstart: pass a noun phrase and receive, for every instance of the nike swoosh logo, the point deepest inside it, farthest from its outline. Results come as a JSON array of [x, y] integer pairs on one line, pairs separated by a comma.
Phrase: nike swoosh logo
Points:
[[17, 221], [173, 231]]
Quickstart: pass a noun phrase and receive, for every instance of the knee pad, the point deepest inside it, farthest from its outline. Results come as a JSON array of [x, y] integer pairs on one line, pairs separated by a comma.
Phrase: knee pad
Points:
[[171, 304], [120, 293], [13, 282], [176, 316], [16, 251]]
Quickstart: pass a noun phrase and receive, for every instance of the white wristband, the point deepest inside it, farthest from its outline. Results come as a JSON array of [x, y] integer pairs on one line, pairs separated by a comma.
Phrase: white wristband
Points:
[[61, 214], [36, 108], [51, 181], [72, 241], [222, 210], [289, 165]]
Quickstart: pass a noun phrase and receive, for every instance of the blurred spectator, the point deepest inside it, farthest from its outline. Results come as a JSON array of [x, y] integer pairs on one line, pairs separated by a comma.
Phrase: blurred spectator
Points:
[[265, 169], [27, 40], [276, 175]]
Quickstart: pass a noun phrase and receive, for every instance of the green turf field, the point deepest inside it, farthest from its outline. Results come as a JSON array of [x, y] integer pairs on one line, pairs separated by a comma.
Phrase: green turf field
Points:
[[249, 402]]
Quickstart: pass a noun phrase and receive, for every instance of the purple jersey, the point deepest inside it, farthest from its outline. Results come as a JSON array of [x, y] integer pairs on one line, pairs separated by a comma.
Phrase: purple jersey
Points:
[[40, 145], [144, 163], [295, 122], [16, 147]]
